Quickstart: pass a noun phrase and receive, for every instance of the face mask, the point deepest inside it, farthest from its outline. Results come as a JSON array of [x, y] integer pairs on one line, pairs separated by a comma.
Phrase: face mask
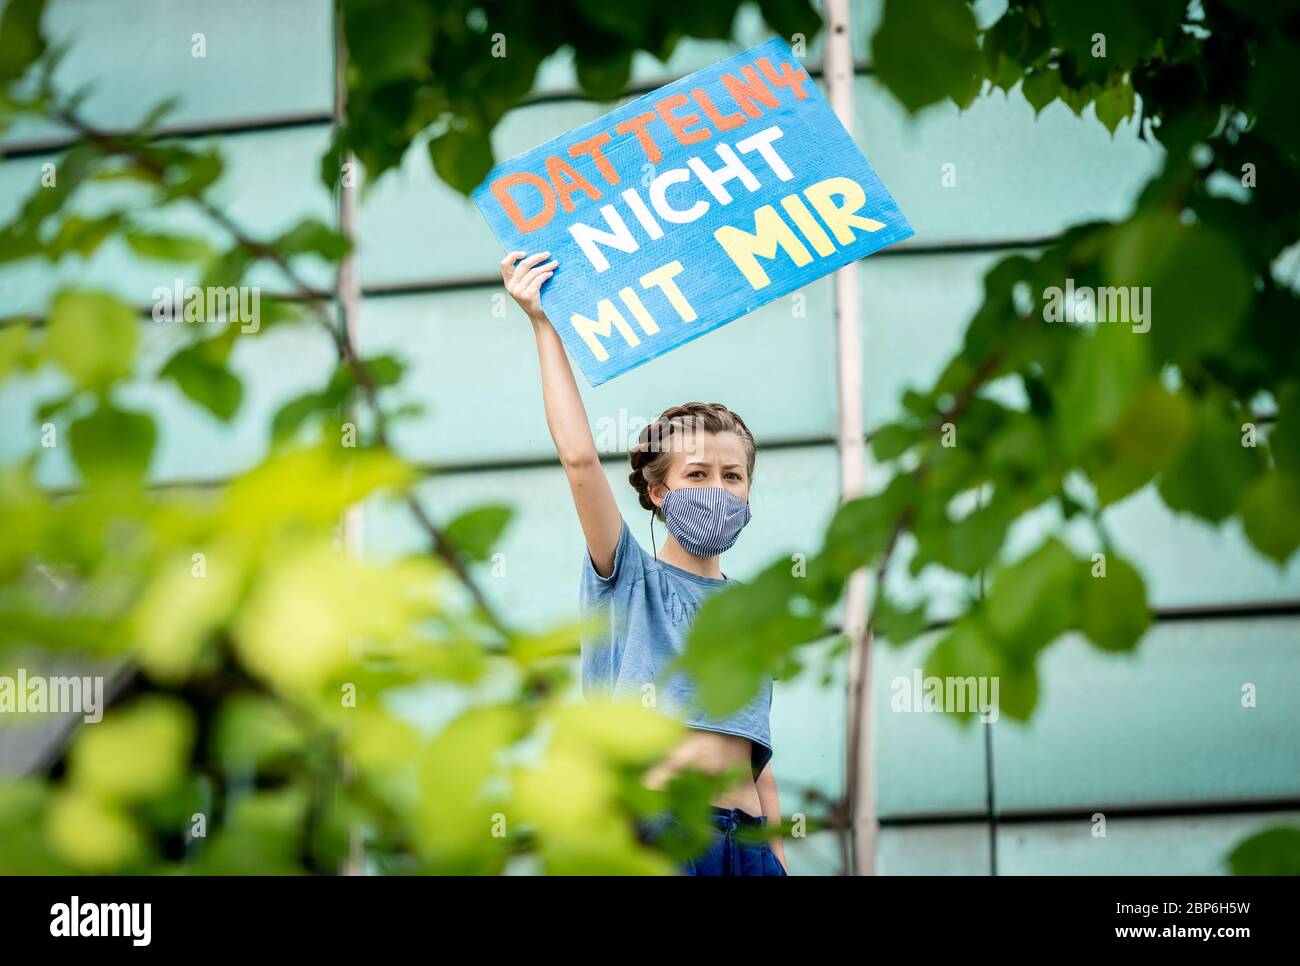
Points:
[[706, 520]]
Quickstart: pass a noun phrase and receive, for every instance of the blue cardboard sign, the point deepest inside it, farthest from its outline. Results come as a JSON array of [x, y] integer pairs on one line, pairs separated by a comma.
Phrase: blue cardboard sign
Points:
[[689, 207]]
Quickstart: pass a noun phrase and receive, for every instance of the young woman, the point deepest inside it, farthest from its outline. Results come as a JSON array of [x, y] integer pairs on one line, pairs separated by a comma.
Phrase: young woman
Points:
[[692, 469]]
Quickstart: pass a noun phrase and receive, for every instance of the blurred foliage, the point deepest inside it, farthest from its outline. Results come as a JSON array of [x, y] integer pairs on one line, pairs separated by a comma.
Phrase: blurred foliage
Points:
[[266, 727], [1035, 425], [263, 731], [455, 67]]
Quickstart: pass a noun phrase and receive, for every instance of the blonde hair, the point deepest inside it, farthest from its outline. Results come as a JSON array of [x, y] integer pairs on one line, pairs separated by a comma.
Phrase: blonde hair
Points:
[[652, 456]]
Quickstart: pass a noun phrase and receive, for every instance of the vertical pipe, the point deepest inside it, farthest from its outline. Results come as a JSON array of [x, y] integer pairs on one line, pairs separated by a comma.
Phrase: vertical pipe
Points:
[[860, 848]]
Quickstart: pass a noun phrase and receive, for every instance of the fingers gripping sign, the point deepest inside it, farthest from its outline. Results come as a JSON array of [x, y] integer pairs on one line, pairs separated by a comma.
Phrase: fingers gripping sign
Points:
[[524, 276]]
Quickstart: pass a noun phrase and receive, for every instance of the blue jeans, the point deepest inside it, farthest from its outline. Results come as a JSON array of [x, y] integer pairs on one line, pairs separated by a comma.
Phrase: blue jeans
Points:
[[733, 848]]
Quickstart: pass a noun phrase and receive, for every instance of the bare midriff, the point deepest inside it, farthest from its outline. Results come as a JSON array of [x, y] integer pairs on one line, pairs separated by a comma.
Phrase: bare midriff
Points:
[[712, 752]]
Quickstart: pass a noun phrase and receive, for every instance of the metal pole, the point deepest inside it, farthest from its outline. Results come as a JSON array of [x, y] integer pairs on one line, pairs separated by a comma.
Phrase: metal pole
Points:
[[860, 849]]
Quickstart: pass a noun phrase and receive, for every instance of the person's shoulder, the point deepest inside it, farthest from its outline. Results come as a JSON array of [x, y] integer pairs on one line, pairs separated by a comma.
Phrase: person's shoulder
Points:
[[629, 563]]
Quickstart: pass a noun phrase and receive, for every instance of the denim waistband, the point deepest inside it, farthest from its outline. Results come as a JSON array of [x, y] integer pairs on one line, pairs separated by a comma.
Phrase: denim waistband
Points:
[[736, 816], [718, 817]]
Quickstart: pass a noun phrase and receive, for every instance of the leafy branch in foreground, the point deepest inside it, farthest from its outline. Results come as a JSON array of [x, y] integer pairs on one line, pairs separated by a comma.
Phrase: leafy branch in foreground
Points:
[[454, 68], [267, 655], [1181, 375]]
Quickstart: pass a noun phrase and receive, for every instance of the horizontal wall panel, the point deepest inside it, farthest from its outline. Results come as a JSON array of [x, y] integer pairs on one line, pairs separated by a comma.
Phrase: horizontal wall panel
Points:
[[1164, 725], [477, 374], [1177, 845], [1185, 561], [947, 849], [815, 854], [911, 327], [192, 444], [270, 182], [261, 60], [925, 763]]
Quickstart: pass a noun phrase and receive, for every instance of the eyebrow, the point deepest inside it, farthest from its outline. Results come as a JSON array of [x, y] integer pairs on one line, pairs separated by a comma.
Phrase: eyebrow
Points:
[[726, 466]]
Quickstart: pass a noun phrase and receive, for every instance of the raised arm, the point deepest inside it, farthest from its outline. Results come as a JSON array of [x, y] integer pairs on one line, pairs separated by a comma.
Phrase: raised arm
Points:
[[565, 415]]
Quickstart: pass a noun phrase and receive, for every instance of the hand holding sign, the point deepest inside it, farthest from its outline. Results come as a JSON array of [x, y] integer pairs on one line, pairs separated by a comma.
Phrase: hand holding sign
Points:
[[524, 275], [688, 208]]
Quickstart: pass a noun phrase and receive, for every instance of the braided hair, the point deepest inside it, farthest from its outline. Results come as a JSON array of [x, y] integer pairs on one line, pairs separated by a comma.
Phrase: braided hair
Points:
[[652, 455]]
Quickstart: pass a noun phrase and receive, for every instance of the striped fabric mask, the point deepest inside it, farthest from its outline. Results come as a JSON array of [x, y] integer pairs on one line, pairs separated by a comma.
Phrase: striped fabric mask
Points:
[[706, 520]]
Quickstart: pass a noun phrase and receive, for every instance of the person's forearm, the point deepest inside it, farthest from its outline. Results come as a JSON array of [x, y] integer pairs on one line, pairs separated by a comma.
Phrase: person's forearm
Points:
[[566, 417], [770, 801]]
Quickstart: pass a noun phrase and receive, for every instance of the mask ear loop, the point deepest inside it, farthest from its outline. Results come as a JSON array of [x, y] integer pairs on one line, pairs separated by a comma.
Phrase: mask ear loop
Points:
[[652, 535], [652, 532]]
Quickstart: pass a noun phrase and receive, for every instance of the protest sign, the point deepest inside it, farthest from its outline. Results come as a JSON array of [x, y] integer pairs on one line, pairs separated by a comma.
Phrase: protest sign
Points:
[[689, 207]]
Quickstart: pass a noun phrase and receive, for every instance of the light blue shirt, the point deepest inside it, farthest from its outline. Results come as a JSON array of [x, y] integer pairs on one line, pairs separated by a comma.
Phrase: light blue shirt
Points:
[[642, 614]]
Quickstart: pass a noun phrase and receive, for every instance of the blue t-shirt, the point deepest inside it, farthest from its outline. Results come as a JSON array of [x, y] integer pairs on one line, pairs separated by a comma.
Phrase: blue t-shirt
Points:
[[642, 614]]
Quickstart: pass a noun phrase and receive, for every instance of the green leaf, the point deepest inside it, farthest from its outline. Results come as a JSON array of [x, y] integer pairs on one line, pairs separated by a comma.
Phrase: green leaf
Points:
[[1035, 600], [861, 529], [83, 235], [1211, 477], [290, 416], [315, 237], [605, 77], [16, 245], [462, 158], [1284, 436], [1114, 613], [1145, 440], [93, 337], [384, 370], [167, 248], [21, 42], [1103, 374], [967, 654], [112, 444], [897, 625], [389, 38], [977, 537], [743, 632], [1275, 851], [924, 52], [227, 269], [1200, 288], [477, 531], [1270, 515], [205, 381], [892, 441], [189, 173], [15, 349], [1041, 87], [785, 17], [136, 752], [1114, 104]]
